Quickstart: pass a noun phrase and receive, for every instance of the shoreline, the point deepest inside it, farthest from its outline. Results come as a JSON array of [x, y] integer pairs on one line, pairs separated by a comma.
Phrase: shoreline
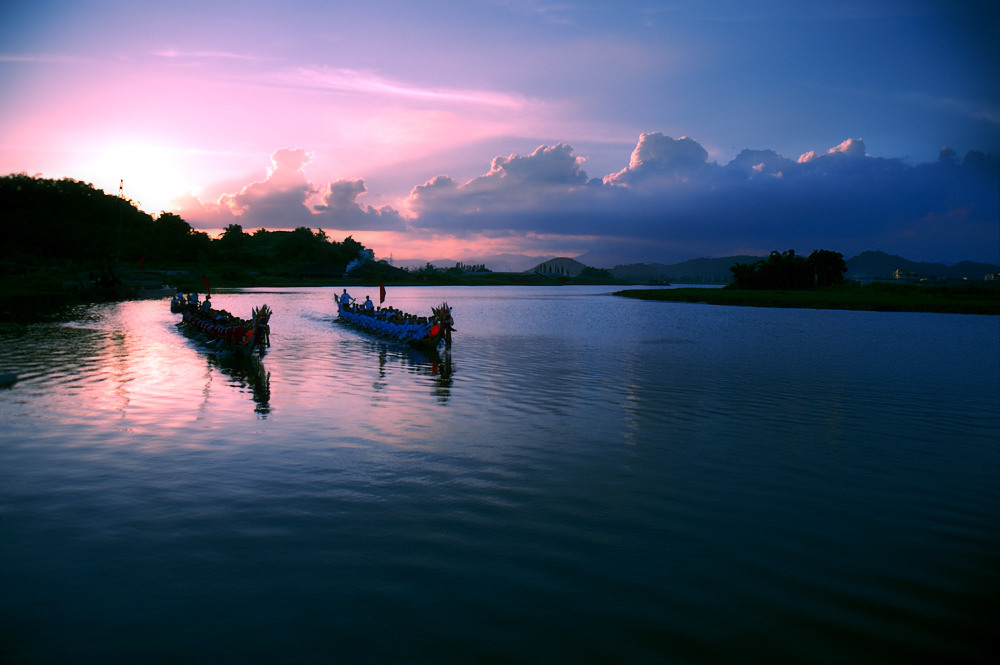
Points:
[[34, 304], [984, 300]]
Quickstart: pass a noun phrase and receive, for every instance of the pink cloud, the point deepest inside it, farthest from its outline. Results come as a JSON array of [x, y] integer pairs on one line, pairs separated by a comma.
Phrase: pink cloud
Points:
[[350, 80], [849, 147], [284, 188], [282, 200], [659, 155]]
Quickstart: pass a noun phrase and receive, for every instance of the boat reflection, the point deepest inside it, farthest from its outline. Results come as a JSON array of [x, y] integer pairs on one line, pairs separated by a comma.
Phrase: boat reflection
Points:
[[243, 371], [426, 362], [248, 374]]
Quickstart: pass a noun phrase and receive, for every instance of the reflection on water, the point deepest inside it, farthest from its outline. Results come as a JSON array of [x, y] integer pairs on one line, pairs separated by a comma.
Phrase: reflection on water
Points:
[[246, 374], [242, 372], [602, 481], [435, 363]]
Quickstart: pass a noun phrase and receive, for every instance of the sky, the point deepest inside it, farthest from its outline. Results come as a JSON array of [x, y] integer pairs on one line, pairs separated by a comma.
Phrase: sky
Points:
[[634, 131]]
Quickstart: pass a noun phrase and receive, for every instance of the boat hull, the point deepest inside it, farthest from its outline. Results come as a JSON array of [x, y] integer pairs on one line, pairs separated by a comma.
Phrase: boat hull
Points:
[[426, 337], [240, 338]]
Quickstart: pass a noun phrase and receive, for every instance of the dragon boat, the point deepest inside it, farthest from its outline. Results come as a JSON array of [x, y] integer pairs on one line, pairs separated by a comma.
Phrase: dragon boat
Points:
[[421, 332], [225, 332]]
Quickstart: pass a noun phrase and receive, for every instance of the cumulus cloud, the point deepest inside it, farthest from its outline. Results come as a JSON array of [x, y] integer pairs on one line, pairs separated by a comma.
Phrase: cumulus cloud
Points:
[[281, 194], [513, 193], [854, 148], [551, 166], [340, 209], [661, 156], [669, 203], [282, 200]]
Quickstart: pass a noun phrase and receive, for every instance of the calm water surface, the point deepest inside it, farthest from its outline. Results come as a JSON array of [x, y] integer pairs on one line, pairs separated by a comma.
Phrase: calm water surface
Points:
[[583, 478]]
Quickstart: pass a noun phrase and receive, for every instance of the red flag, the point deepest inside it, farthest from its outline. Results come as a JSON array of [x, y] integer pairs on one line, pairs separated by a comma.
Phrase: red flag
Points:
[[208, 289], [381, 293], [142, 260]]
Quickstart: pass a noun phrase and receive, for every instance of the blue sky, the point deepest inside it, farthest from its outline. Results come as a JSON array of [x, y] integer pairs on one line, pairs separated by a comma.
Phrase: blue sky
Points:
[[618, 132]]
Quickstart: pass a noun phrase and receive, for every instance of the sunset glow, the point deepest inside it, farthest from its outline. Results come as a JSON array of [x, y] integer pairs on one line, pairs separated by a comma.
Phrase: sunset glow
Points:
[[613, 134]]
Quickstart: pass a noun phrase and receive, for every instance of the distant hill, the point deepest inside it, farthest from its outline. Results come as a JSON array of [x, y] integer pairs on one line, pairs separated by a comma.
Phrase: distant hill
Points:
[[879, 265], [865, 266], [692, 271], [560, 266]]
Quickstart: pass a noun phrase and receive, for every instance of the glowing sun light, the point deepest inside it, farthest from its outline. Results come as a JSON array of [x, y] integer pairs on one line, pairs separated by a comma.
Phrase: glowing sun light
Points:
[[153, 175]]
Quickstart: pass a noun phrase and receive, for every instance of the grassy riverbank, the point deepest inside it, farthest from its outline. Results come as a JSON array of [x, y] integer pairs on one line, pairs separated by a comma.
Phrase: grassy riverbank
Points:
[[965, 299]]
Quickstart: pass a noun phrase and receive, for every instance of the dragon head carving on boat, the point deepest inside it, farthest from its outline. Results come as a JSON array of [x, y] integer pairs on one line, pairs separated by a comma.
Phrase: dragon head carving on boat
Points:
[[261, 329], [444, 319]]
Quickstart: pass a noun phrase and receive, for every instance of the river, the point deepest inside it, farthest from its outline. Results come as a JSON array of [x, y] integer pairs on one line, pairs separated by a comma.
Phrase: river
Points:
[[581, 478]]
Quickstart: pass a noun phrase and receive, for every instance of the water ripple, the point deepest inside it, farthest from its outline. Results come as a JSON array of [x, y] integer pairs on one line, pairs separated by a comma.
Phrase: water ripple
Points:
[[578, 479]]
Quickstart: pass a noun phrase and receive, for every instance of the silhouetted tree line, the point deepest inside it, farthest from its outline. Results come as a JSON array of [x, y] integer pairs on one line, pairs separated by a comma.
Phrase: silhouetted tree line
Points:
[[464, 268], [44, 220], [786, 270], [595, 274], [265, 248]]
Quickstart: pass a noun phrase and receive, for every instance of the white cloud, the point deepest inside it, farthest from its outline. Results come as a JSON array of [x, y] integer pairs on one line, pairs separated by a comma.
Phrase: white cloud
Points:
[[546, 165], [661, 156]]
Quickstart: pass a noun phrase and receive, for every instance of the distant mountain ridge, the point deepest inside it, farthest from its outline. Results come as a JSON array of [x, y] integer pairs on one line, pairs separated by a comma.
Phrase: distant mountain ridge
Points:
[[692, 271], [879, 265], [867, 265], [873, 264]]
